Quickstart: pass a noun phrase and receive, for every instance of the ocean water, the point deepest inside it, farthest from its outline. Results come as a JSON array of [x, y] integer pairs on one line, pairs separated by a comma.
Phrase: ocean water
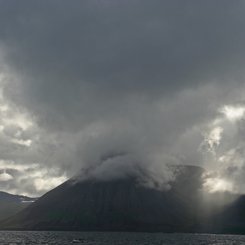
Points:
[[116, 238]]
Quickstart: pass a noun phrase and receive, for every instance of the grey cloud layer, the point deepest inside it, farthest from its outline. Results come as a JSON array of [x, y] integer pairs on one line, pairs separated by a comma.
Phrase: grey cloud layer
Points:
[[70, 52], [139, 77]]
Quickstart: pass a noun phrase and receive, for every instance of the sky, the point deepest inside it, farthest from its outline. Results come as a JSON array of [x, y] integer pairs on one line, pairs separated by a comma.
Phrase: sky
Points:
[[110, 88]]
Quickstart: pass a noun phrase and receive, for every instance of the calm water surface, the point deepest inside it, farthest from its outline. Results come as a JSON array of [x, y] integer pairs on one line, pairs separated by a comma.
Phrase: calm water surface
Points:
[[101, 238]]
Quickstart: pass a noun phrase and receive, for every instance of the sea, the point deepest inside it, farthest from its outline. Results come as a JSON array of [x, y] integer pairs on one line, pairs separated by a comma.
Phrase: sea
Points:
[[116, 238]]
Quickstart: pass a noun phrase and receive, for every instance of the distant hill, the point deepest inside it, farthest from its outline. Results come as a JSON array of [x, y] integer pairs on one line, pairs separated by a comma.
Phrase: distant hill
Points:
[[125, 205], [12, 204]]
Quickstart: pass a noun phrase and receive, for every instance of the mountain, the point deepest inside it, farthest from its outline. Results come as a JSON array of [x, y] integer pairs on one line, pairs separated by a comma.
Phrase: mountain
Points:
[[121, 204], [230, 219], [126, 205], [12, 204]]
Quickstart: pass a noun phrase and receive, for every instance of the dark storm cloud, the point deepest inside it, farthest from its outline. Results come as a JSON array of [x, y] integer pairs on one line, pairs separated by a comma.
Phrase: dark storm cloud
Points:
[[70, 52], [138, 77]]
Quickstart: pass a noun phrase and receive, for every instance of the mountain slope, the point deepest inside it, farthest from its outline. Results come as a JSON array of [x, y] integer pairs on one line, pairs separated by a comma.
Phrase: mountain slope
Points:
[[125, 205], [12, 204], [115, 205]]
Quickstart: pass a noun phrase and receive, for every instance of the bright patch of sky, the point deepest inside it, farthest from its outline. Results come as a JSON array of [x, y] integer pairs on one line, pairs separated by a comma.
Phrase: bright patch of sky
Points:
[[218, 185], [4, 176], [19, 131], [225, 143], [233, 113]]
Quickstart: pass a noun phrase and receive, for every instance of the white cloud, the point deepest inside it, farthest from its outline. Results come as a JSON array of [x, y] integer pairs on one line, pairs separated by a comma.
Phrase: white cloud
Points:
[[22, 142], [233, 113], [213, 138], [5, 176], [218, 185], [45, 184]]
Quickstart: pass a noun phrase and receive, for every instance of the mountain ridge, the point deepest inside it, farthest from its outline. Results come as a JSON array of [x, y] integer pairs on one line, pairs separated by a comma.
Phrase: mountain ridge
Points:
[[11, 204], [122, 204], [125, 205]]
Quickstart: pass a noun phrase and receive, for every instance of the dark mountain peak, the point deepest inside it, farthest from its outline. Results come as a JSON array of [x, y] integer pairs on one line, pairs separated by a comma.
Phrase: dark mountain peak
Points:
[[117, 204], [126, 204]]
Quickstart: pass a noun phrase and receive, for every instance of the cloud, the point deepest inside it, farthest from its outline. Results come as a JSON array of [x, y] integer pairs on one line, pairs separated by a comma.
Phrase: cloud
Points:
[[233, 113], [5, 176], [161, 82]]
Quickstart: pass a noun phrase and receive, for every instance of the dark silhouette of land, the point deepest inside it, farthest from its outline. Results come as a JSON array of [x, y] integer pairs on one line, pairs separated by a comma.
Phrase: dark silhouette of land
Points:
[[125, 205], [12, 204]]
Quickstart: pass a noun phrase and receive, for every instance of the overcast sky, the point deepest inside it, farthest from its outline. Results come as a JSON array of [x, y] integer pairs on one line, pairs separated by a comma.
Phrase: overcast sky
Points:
[[121, 85]]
